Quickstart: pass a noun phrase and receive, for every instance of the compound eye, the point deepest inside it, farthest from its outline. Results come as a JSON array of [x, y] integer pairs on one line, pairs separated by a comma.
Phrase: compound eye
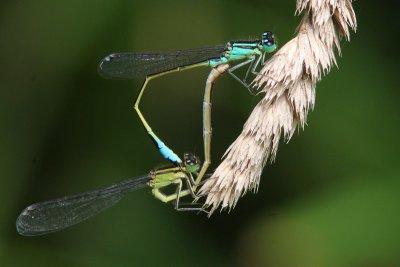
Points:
[[190, 159], [268, 38]]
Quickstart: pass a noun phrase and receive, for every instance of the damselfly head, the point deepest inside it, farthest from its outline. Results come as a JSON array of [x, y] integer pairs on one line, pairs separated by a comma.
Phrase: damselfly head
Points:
[[268, 42], [191, 162]]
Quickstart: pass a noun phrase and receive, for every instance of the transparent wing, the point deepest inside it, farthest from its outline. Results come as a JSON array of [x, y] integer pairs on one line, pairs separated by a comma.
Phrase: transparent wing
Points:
[[54, 215], [140, 65]]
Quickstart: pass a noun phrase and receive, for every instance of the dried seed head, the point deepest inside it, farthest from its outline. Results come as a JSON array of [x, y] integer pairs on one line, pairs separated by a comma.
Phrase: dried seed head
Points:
[[288, 81]]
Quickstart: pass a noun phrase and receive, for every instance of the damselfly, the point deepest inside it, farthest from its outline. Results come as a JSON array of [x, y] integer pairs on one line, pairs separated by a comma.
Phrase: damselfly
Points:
[[54, 215], [153, 65]]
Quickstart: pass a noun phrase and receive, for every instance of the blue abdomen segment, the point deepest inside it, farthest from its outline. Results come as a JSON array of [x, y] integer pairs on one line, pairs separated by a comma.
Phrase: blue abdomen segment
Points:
[[165, 151]]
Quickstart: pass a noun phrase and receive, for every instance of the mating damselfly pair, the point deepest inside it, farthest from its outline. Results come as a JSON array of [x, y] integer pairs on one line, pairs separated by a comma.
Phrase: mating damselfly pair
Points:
[[53, 215]]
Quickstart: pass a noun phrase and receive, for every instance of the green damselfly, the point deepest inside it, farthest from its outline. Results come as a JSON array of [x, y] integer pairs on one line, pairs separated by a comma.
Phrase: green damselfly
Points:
[[55, 215], [153, 65]]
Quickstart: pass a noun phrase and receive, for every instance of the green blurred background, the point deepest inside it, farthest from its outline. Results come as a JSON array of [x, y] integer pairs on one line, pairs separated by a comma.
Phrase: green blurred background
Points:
[[331, 198]]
